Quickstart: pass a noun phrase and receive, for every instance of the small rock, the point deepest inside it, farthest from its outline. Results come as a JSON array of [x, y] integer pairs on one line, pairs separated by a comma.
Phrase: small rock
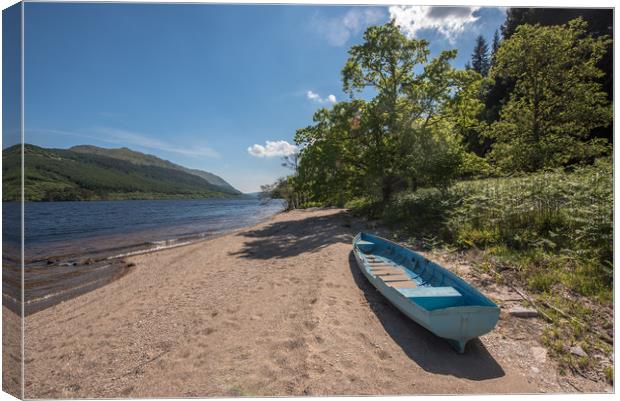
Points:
[[577, 350], [535, 369], [519, 311], [540, 354]]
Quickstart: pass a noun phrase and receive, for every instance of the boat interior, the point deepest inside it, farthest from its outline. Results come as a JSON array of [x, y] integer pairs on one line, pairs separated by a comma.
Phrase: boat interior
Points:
[[416, 278]]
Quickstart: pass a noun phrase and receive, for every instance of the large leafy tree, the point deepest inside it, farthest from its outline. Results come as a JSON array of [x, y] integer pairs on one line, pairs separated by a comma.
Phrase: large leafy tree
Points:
[[557, 98], [332, 161], [600, 23], [409, 133], [402, 124]]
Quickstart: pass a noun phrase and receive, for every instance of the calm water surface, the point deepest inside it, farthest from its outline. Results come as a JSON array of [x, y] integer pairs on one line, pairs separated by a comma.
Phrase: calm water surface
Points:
[[64, 228], [73, 247]]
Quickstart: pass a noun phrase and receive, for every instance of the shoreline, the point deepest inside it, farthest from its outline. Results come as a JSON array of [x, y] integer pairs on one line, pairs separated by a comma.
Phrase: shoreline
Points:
[[278, 309], [107, 253], [65, 276], [208, 237]]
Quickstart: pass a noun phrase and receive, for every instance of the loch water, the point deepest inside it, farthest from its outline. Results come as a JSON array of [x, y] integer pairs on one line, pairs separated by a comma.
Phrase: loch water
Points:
[[73, 247]]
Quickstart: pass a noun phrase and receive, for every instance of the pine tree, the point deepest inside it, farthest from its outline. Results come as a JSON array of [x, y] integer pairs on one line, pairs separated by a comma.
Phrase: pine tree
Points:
[[480, 57], [495, 45]]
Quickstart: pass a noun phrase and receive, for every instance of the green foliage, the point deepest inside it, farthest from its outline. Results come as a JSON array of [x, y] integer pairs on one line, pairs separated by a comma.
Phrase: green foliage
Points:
[[556, 101], [609, 373], [423, 212], [332, 164], [495, 45], [555, 227], [480, 60], [55, 174]]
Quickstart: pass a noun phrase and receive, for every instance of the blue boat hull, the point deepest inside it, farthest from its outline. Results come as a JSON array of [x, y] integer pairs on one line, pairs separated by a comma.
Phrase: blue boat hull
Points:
[[427, 293]]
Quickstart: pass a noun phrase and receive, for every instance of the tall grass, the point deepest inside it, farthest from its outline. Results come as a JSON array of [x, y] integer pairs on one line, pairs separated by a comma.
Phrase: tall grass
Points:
[[556, 226]]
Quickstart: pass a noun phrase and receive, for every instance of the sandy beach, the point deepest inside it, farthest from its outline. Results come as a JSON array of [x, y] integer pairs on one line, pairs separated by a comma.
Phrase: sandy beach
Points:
[[278, 309]]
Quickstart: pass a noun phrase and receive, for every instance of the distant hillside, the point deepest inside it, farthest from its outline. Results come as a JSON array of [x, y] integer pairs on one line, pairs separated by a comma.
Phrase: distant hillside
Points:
[[59, 174], [150, 160]]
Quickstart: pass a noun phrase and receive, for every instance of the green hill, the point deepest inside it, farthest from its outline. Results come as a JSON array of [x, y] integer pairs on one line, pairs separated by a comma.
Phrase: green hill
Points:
[[91, 173], [150, 160]]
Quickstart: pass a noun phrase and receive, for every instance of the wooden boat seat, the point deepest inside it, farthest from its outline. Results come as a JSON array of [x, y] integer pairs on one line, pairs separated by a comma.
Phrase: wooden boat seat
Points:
[[395, 277], [386, 271], [401, 284], [432, 298], [378, 265], [383, 266]]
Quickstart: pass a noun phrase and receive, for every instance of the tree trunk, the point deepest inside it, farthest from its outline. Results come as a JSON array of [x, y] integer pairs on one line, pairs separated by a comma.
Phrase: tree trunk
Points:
[[386, 189]]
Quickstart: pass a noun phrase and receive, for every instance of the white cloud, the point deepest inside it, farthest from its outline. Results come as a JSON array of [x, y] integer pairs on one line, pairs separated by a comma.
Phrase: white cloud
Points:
[[313, 96], [272, 149], [338, 30], [448, 21], [316, 98]]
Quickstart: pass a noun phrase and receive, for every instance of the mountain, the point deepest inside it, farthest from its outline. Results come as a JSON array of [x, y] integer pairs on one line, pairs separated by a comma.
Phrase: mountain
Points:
[[150, 160], [91, 173]]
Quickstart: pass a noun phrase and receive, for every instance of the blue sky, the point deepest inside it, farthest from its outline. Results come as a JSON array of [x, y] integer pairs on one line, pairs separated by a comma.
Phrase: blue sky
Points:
[[205, 86]]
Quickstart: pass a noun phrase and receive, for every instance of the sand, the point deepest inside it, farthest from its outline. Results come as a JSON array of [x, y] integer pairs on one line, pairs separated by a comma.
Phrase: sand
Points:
[[278, 309]]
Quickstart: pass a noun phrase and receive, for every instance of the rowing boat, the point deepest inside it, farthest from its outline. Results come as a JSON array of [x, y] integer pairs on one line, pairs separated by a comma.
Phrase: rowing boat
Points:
[[424, 291]]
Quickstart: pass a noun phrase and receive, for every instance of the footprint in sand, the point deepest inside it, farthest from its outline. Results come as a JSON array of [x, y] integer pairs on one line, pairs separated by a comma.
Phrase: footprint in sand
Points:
[[310, 325], [383, 355], [294, 343], [353, 378], [232, 323], [206, 331]]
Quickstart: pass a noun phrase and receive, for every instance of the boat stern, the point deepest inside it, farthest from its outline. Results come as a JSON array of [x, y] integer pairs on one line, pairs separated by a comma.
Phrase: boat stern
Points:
[[460, 324]]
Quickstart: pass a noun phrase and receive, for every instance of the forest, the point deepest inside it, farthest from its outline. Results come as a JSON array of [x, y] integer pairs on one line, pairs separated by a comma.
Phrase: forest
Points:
[[507, 162]]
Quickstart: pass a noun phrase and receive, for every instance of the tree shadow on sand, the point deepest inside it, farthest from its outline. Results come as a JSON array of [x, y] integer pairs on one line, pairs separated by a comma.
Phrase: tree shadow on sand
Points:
[[291, 238], [430, 352]]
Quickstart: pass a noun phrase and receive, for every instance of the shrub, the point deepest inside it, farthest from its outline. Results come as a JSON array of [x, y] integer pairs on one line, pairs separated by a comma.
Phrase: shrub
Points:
[[553, 221]]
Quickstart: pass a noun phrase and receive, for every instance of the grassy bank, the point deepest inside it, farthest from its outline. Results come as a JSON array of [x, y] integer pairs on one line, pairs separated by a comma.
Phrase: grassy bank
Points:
[[549, 233]]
